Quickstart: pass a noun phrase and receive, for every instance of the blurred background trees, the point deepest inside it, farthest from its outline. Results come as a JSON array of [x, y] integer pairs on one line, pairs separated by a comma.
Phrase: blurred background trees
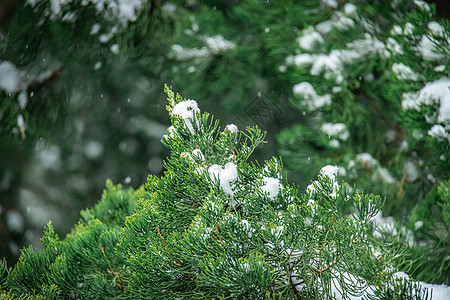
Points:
[[81, 97]]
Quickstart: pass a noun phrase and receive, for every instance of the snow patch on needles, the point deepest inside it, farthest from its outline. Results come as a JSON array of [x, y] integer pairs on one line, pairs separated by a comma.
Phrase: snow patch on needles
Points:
[[124, 10], [231, 128], [226, 176], [338, 130], [215, 45], [433, 92], [186, 110], [309, 38], [404, 72], [438, 132], [10, 77], [218, 44], [196, 155], [271, 187], [330, 171], [367, 160], [182, 54], [430, 47], [311, 99]]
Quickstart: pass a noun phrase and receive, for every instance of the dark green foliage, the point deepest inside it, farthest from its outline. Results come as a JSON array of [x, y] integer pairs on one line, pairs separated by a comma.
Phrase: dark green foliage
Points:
[[84, 265], [239, 59], [430, 220], [376, 68]]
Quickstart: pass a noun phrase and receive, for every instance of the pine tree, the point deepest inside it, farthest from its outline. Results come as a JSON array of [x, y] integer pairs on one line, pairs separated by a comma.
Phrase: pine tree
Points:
[[217, 226]]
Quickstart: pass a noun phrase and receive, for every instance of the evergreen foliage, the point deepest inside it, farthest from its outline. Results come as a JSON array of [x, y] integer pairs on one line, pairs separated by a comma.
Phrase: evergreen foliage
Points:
[[216, 226], [369, 84], [371, 81]]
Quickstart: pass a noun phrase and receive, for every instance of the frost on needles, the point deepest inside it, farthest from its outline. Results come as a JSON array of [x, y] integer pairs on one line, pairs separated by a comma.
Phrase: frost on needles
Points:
[[217, 226]]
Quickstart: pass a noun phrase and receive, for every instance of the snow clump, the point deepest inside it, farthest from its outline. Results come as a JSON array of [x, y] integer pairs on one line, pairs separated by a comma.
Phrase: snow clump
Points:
[[438, 132], [10, 77], [311, 99], [309, 38], [218, 44], [433, 92], [226, 176], [271, 187], [328, 171], [429, 47], [186, 110], [404, 72], [338, 130], [231, 128], [366, 160]]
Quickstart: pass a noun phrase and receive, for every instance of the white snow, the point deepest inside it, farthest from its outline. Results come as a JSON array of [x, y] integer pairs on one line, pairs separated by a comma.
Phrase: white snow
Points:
[[226, 176], [186, 110], [334, 143], [418, 225], [231, 128], [195, 155], [97, 66], [422, 5], [440, 68], [172, 132], [182, 54], [404, 72], [330, 171], [429, 45], [409, 29], [309, 38], [396, 30], [327, 171], [439, 291], [21, 123], [330, 3], [367, 160], [218, 44], [368, 45], [115, 48], [337, 129], [436, 28], [311, 99], [301, 59], [349, 8], [436, 91], [383, 224], [10, 77], [385, 175], [271, 187], [22, 99], [394, 46], [411, 171], [332, 65], [123, 10], [438, 132], [95, 29]]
